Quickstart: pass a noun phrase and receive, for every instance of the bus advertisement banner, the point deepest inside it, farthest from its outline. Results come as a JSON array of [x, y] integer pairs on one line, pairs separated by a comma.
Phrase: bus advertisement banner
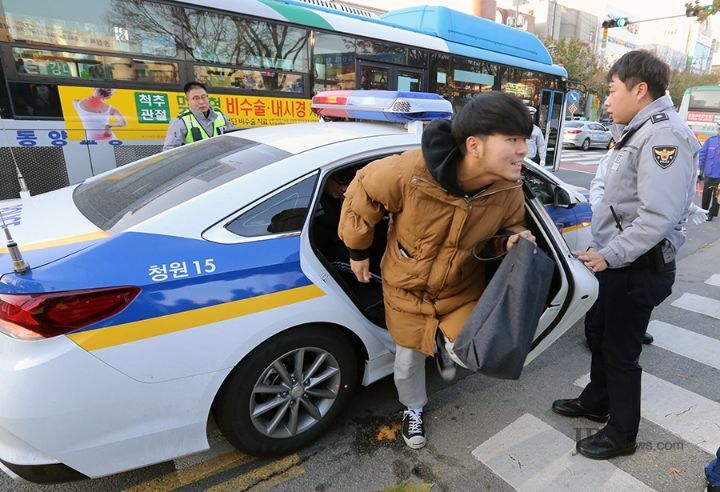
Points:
[[114, 115]]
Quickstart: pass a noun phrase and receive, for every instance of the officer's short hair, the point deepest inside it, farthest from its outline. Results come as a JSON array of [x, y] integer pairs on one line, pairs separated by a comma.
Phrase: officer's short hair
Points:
[[642, 66], [194, 85], [491, 113]]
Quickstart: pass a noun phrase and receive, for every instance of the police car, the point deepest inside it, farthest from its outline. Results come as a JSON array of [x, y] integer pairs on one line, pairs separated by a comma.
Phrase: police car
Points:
[[196, 283]]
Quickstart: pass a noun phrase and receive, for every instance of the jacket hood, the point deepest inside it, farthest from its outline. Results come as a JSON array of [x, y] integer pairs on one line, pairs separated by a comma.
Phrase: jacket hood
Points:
[[442, 155]]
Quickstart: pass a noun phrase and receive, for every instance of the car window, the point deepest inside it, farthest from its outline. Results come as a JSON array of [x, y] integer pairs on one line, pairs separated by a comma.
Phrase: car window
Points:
[[282, 212], [541, 187], [139, 191], [573, 124]]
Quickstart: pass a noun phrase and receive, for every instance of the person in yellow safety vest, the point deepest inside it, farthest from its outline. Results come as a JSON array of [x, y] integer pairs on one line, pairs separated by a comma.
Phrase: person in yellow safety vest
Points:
[[198, 122]]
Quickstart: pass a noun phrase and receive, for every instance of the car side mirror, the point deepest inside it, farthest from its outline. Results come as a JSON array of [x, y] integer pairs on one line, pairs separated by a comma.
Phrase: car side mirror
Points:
[[563, 198]]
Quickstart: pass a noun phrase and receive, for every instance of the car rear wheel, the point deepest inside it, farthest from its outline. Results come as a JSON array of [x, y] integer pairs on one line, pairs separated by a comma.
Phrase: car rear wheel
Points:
[[586, 144], [287, 391]]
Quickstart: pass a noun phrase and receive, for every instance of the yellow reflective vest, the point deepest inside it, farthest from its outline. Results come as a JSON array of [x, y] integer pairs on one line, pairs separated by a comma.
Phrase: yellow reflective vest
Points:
[[200, 134]]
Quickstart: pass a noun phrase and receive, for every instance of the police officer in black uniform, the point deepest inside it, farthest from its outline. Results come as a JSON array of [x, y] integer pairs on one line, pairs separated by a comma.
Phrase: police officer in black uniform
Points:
[[637, 230]]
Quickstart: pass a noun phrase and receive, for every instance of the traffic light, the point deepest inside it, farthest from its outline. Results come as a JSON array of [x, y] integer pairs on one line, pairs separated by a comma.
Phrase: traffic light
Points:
[[619, 22]]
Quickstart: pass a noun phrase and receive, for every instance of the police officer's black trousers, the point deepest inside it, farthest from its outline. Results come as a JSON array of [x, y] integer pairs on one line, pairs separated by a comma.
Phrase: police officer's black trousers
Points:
[[615, 326], [709, 197]]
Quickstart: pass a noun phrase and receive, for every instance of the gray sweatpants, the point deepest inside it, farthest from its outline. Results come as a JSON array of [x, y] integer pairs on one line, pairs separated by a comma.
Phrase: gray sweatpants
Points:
[[410, 377]]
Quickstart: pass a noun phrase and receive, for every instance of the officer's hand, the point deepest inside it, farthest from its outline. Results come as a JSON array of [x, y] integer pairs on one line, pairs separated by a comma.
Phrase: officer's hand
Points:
[[594, 261], [361, 269], [513, 240]]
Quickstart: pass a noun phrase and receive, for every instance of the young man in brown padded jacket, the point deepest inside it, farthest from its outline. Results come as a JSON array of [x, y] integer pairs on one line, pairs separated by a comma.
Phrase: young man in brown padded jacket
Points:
[[460, 189]]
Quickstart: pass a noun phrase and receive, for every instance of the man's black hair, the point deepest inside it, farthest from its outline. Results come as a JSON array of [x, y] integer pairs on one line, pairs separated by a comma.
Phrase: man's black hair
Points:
[[642, 66], [194, 85], [491, 113], [104, 92]]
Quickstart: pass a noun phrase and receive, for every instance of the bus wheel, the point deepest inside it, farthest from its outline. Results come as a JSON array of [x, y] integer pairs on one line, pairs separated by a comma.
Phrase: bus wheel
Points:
[[287, 391]]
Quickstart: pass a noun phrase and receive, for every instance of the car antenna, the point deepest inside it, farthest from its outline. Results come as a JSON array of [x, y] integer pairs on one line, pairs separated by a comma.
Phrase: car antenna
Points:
[[19, 265]]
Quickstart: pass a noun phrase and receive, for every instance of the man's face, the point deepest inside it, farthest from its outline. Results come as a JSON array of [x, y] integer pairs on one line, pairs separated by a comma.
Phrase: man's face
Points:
[[335, 188], [198, 99], [622, 102], [501, 156]]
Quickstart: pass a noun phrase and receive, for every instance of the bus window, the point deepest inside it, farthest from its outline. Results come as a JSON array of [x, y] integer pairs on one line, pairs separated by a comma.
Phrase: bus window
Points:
[[155, 72], [47, 63], [439, 68], [249, 80], [239, 41], [37, 100], [333, 62], [4, 98], [141, 27], [375, 78], [368, 49], [525, 85]]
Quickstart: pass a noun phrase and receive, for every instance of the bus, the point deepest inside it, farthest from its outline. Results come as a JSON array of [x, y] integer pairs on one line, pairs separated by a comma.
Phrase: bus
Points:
[[90, 85], [700, 109]]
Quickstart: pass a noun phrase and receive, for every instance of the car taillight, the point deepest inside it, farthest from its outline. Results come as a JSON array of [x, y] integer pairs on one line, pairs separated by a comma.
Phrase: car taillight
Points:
[[573, 132], [50, 314]]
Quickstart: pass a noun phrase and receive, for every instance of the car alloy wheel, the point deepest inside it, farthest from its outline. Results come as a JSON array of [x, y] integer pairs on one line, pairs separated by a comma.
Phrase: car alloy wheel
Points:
[[586, 144], [295, 392], [287, 391]]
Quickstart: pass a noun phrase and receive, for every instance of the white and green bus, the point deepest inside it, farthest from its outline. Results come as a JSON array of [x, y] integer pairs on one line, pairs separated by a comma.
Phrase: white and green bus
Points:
[[700, 109], [89, 85]]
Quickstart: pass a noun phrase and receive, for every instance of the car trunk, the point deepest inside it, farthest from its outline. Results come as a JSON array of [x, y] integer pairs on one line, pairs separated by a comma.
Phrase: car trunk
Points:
[[46, 228]]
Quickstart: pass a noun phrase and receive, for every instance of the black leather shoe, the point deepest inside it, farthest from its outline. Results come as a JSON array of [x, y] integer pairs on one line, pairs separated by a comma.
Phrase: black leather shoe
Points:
[[600, 447], [648, 339], [573, 408]]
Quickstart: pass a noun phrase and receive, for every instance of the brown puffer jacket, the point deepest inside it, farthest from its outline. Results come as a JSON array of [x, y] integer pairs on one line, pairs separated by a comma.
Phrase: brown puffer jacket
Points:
[[430, 277]]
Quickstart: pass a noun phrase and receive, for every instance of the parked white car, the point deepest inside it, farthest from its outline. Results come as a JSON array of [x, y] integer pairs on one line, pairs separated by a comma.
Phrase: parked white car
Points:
[[587, 134]]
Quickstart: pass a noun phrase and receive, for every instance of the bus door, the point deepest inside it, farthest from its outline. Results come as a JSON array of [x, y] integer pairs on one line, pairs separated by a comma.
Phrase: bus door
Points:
[[380, 76], [550, 118]]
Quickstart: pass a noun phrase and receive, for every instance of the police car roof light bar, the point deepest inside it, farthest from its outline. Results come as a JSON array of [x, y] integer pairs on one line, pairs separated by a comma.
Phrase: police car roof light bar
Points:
[[388, 106]]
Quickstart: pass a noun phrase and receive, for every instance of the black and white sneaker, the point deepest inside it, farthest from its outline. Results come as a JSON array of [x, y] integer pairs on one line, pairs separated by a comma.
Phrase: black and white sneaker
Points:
[[445, 364], [413, 429]]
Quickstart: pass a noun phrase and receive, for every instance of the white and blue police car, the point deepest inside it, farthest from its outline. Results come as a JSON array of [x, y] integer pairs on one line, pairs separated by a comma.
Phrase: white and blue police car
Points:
[[199, 283]]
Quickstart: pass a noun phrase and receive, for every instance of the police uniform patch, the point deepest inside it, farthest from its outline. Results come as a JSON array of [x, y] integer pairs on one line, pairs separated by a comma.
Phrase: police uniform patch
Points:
[[665, 155], [658, 117]]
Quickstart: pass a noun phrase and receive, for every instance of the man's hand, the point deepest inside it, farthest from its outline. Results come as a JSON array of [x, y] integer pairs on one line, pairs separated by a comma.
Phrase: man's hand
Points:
[[512, 240], [594, 261], [361, 269]]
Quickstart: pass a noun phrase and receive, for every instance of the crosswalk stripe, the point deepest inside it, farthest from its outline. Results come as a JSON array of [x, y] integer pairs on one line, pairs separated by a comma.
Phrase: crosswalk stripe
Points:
[[698, 304], [530, 455], [687, 343], [690, 416], [714, 280]]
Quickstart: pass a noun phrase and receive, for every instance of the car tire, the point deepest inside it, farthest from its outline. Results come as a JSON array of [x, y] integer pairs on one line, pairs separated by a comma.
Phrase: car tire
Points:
[[258, 406], [586, 144], [611, 143]]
